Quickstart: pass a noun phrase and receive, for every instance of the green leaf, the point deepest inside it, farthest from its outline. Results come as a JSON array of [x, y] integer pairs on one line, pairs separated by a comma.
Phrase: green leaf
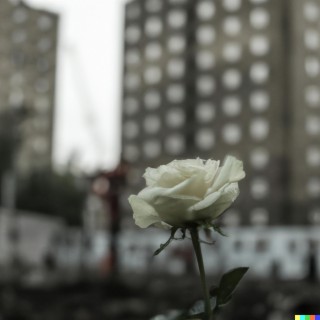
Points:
[[216, 228], [227, 300], [228, 284], [213, 291], [164, 245]]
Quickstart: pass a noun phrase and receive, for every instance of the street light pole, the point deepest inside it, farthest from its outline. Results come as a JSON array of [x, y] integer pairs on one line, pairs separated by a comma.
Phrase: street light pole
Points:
[[109, 185], [11, 120], [9, 203]]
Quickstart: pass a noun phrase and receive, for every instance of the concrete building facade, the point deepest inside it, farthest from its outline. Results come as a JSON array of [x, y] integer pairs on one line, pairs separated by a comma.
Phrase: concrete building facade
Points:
[[280, 252], [209, 78], [28, 43]]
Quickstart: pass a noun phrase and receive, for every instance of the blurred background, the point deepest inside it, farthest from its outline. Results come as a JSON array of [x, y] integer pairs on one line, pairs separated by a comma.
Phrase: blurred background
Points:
[[92, 93]]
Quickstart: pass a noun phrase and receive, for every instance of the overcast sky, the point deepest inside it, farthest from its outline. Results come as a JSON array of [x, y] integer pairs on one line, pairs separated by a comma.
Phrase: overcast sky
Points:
[[88, 93]]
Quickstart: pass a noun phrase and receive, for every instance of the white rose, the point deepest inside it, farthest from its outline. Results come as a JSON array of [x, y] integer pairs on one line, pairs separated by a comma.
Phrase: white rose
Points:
[[185, 192]]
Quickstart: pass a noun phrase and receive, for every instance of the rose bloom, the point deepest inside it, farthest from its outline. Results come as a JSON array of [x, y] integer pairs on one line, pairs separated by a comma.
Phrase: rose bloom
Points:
[[187, 192]]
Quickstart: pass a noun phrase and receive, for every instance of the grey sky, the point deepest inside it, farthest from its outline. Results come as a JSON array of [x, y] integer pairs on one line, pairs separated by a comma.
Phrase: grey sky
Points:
[[88, 81]]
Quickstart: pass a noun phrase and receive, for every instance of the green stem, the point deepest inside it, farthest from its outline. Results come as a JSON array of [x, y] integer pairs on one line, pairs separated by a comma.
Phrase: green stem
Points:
[[197, 250]]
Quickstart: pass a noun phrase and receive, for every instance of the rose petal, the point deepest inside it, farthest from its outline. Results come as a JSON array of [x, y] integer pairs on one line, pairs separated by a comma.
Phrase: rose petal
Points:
[[174, 211], [200, 210], [163, 225], [195, 186], [182, 191], [189, 167], [186, 163], [227, 198], [163, 176], [191, 188], [206, 202], [216, 203], [170, 179], [171, 204], [211, 168], [143, 214], [231, 171]]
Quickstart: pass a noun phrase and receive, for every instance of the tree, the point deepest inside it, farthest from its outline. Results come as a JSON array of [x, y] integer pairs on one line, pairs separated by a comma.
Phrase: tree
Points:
[[52, 193]]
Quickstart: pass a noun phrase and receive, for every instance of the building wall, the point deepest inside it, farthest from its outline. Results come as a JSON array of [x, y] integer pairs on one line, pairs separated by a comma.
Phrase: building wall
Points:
[[28, 39], [36, 234], [209, 78], [305, 103], [284, 253], [205, 78]]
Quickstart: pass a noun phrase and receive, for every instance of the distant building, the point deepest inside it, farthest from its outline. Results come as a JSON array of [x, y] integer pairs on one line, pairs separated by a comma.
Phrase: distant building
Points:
[[209, 78], [36, 236], [279, 252], [28, 43]]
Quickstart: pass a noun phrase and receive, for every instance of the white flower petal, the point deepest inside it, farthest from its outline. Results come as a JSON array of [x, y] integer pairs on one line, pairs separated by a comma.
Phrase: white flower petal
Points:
[[203, 209], [190, 167], [186, 163], [151, 176], [211, 168], [171, 204], [185, 191], [174, 211], [163, 225], [216, 203], [162, 176], [143, 214], [231, 171], [194, 186], [182, 188], [207, 201]]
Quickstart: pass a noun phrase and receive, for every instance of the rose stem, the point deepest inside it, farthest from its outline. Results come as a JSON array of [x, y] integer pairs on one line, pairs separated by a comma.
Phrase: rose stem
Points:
[[197, 250]]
